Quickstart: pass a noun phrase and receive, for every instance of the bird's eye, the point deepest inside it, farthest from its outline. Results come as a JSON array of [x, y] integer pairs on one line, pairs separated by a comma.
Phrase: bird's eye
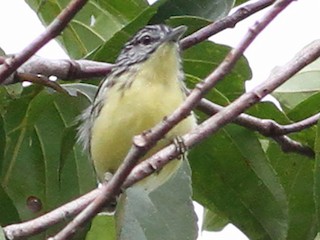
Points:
[[146, 40]]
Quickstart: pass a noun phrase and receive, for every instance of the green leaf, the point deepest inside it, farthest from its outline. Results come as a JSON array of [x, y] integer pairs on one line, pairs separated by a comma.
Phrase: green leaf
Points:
[[306, 108], [268, 110], [214, 95], [317, 237], [316, 175], [35, 125], [2, 142], [102, 228], [296, 176], [2, 236], [68, 140], [9, 93], [194, 23], [14, 90], [208, 9], [87, 90], [110, 49], [202, 59], [2, 53], [239, 2], [8, 211], [96, 23], [214, 220], [166, 213], [299, 87], [231, 172]]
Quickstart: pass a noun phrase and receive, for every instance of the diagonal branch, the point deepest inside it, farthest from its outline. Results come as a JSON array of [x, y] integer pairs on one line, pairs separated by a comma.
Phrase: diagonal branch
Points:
[[289, 145], [230, 21], [10, 65], [144, 142]]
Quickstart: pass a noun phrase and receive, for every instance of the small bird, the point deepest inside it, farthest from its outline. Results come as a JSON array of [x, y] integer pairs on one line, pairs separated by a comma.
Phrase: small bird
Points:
[[145, 85]]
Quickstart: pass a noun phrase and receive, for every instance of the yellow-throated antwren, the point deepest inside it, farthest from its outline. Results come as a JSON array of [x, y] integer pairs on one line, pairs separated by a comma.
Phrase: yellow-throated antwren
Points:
[[145, 85]]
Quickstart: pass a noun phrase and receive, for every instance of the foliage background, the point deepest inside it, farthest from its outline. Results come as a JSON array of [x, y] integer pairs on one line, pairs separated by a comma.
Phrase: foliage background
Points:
[[285, 182]]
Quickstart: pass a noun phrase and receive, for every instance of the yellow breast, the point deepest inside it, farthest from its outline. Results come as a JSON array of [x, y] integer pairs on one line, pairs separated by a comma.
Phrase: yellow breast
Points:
[[155, 92]]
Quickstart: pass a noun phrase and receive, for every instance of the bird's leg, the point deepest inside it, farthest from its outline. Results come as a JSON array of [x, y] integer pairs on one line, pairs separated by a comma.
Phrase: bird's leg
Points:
[[180, 147]]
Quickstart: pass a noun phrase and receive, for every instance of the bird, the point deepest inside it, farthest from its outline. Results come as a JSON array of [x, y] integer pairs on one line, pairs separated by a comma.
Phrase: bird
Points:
[[145, 85]]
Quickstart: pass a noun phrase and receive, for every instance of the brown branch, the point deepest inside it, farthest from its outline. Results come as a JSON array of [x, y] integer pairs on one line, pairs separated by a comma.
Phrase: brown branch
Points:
[[297, 126], [144, 142], [53, 30], [41, 80], [243, 12], [269, 128], [289, 145], [65, 69]]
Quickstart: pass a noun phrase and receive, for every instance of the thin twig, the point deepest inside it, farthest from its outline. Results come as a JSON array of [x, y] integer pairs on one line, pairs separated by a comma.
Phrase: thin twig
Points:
[[65, 69], [269, 128], [142, 143], [289, 145], [53, 30], [41, 80], [298, 126], [243, 12]]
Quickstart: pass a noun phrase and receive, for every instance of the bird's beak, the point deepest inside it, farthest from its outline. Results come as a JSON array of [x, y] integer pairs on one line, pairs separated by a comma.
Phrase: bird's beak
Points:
[[176, 33]]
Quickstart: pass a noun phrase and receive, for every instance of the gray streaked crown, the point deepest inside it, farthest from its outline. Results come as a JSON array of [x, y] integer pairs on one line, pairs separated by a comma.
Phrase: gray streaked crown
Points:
[[143, 44]]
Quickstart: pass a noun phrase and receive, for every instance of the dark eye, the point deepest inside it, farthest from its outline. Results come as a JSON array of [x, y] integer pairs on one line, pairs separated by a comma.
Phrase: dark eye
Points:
[[146, 40]]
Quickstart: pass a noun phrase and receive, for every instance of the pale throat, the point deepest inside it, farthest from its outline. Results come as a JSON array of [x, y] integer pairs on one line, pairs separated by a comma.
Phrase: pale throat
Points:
[[162, 67]]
